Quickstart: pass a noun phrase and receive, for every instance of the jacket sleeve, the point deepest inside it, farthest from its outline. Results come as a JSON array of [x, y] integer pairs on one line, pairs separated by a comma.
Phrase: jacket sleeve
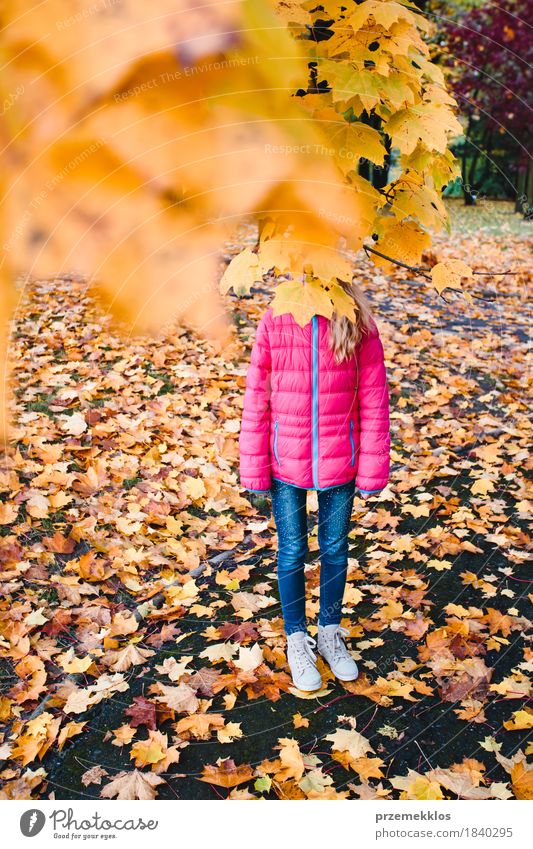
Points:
[[254, 439], [374, 423]]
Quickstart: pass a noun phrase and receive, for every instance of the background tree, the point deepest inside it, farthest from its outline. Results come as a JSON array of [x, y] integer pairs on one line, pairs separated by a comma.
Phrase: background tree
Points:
[[134, 136], [489, 51]]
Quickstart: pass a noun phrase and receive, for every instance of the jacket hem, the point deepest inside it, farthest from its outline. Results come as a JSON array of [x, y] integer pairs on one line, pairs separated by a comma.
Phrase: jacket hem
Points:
[[317, 488], [314, 401]]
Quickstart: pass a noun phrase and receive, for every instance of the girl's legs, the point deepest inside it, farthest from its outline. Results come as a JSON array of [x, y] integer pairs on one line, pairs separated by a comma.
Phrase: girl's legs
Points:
[[334, 514], [289, 505]]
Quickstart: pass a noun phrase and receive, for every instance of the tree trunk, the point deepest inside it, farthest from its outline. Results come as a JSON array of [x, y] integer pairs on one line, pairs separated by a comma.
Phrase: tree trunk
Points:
[[524, 190], [469, 200]]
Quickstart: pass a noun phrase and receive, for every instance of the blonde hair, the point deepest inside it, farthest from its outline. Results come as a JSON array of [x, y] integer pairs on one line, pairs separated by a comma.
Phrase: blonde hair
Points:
[[345, 334]]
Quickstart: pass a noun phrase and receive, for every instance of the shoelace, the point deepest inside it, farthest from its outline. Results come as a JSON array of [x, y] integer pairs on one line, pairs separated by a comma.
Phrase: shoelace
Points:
[[303, 654], [339, 648]]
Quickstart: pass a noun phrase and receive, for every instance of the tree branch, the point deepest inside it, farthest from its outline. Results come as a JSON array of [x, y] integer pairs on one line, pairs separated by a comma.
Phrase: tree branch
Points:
[[423, 272]]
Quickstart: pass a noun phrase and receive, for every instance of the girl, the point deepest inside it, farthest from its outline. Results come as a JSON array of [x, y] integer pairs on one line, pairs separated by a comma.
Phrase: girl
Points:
[[315, 416]]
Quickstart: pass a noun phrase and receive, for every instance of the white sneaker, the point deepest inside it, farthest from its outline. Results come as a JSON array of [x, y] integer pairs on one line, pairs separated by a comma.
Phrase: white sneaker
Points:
[[332, 648], [302, 661]]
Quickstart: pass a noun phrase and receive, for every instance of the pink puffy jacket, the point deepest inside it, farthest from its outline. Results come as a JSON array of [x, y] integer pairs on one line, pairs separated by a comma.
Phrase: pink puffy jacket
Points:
[[307, 420]]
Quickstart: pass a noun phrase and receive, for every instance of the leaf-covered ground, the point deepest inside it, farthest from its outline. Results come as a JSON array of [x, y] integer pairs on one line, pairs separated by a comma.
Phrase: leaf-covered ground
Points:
[[141, 642]]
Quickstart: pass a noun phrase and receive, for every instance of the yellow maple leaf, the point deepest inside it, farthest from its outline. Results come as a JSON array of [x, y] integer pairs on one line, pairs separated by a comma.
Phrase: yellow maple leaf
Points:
[[72, 664], [300, 721], [292, 763], [303, 300], [230, 732], [428, 123], [416, 786], [242, 272], [123, 735], [200, 725], [193, 487], [404, 241], [482, 486], [448, 275], [351, 140], [344, 740], [71, 729], [521, 720], [522, 780], [150, 751], [343, 304]]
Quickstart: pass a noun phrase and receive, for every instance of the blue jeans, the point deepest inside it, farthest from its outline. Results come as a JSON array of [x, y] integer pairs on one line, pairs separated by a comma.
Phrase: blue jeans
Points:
[[290, 515]]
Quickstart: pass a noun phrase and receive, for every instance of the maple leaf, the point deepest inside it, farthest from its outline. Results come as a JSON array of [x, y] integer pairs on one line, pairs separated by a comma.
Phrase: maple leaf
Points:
[[71, 729], [226, 773], [38, 506], [292, 764], [142, 712], [303, 300], [350, 741], [93, 776], [482, 486], [132, 785], [416, 786], [471, 679], [59, 623], [26, 749], [92, 480], [430, 124], [307, 696], [249, 658], [31, 670], [220, 651], [72, 664], [352, 139], [264, 682], [243, 271], [522, 780], [238, 632], [167, 634], [150, 751], [365, 767], [521, 719], [8, 512], [203, 681], [59, 543], [123, 659], [181, 698], [299, 721], [449, 274], [173, 668], [395, 688], [263, 785], [107, 685], [402, 240], [230, 732], [459, 783], [315, 784], [250, 601], [199, 725]]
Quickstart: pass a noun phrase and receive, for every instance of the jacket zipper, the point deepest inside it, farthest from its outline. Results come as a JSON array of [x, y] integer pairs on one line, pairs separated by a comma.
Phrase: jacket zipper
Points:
[[352, 442], [314, 400], [276, 442]]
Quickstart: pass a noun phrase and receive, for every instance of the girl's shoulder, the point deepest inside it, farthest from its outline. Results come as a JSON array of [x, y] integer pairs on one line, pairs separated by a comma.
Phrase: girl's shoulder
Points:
[[373, 330], [369, 333]]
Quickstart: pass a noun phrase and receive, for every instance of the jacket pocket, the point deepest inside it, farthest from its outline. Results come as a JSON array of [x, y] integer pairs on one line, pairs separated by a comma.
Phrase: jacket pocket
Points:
[[352, 443], [276, 455]]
